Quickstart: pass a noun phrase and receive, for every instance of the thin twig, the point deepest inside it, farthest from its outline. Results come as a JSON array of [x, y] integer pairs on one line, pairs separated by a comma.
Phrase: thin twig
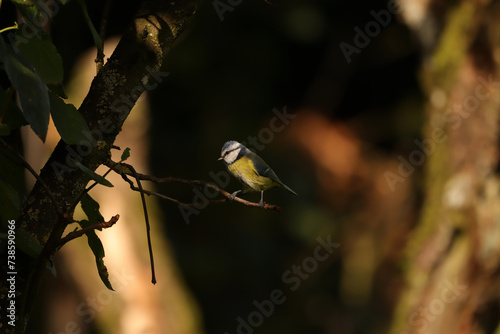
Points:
[[104, 19], [95, 183], [173, 200], [124, 169], [148, 192], [153, 193], [97, 39], [79, 233], [15, 26], [148, 227]]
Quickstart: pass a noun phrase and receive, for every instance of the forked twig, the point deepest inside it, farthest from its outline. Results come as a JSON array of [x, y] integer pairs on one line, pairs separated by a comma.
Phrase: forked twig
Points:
[[125, 169], [79, 233]]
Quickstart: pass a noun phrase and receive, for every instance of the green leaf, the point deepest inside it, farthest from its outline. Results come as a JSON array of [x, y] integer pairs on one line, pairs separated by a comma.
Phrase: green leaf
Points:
[[68, 121], [103, 273], [91, 209], [43, 55], [28, 244], [11, 116], [96, 177], [125, 154], [93, 240], [25, 242], [32, 93], [95, 245], [58, 89]]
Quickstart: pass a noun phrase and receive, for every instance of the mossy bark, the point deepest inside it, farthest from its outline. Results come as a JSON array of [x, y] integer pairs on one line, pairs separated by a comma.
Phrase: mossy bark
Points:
[[453, 256]]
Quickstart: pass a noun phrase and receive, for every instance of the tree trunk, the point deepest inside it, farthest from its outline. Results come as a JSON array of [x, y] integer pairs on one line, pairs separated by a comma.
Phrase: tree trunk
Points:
[[453, 256], [133, 68]]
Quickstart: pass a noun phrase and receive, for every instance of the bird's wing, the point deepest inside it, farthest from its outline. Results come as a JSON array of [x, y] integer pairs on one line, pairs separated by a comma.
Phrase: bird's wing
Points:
[[262, 168]]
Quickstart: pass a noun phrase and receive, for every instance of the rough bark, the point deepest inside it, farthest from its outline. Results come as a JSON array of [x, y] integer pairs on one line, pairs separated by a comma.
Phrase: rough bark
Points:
[[453, 257], [134, 67]]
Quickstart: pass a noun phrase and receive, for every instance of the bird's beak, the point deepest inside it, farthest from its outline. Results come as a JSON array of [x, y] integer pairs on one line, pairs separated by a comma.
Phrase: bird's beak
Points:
[[219, 159]]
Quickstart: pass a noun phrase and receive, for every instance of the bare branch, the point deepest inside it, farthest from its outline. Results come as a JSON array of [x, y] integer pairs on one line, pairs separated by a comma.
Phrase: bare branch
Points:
[[79, 233], [148, 227], [125, 169]]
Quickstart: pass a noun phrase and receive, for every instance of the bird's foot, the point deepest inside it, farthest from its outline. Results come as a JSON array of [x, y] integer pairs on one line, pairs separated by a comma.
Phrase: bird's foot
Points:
[[233, 195]]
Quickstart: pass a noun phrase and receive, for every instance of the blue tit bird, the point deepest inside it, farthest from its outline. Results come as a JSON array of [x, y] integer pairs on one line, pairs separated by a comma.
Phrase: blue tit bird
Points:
[[250, 170]]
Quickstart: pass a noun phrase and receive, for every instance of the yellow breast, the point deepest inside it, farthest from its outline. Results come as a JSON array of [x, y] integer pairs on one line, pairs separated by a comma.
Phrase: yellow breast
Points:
[[244, 170]]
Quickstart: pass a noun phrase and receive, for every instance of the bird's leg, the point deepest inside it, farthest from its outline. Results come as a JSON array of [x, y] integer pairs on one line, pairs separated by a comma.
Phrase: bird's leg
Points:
[[233, 195], [261, 203]]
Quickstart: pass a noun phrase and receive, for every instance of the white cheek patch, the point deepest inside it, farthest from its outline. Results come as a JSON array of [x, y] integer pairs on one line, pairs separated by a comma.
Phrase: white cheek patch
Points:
[[231, 156]]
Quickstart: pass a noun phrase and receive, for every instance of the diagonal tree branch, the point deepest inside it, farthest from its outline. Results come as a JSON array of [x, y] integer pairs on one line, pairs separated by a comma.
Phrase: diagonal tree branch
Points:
[[134, 67]]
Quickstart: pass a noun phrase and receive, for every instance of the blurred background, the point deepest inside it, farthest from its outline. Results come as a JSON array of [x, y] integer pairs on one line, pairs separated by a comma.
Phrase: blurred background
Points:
[[230, 74]]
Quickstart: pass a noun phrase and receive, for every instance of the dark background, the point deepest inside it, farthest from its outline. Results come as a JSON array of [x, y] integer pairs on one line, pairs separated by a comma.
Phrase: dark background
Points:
[[226, 77], [225, 80]]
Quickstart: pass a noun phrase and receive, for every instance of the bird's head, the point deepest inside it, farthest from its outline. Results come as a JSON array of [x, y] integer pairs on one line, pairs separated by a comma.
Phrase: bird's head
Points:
[[230, 151]]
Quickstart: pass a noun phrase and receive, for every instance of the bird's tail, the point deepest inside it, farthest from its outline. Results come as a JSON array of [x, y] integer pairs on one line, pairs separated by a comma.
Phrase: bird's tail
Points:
[[289, 190]]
